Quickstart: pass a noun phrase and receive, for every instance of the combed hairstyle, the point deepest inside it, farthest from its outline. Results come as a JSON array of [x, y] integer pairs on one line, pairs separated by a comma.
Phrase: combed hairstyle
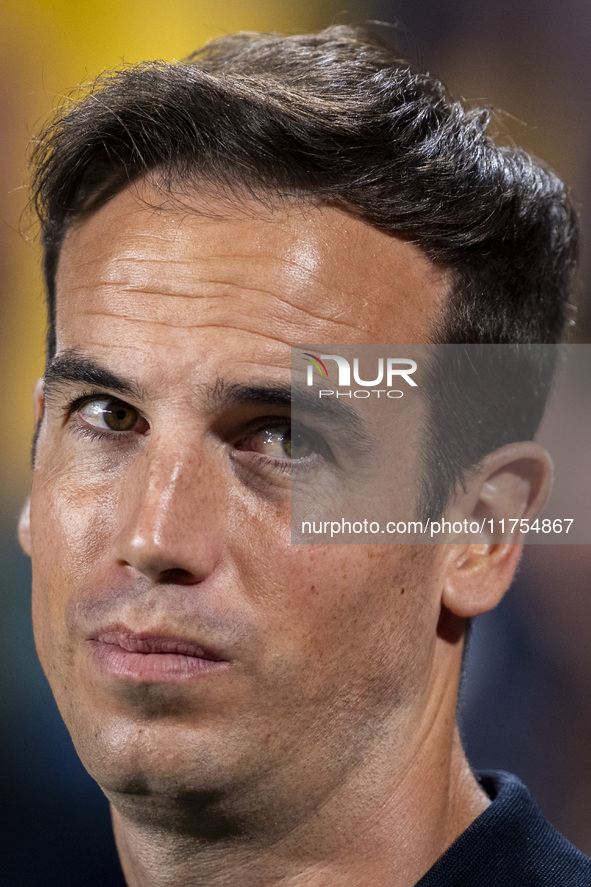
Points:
[[332, 118]]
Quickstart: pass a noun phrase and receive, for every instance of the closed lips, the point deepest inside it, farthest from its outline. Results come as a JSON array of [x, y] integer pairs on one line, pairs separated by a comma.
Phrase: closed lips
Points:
[[142, 643]]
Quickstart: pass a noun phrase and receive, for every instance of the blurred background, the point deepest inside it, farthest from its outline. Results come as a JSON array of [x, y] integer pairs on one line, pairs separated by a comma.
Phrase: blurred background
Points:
[[527, 693]]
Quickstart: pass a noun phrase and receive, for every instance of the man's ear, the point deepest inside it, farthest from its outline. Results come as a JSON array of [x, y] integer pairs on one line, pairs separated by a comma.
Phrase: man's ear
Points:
[[24, 524], [511, 485]]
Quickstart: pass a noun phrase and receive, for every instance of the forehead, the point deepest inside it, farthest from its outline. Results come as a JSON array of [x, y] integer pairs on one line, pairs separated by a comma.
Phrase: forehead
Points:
[[298, 273]]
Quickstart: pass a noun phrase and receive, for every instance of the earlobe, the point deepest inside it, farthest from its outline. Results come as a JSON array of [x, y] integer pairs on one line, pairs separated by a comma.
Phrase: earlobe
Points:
[[511, 486], [24, 528]]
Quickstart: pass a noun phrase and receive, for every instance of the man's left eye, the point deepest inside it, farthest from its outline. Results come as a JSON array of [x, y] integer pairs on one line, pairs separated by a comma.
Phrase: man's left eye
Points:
[[280, 442], [111, 414]]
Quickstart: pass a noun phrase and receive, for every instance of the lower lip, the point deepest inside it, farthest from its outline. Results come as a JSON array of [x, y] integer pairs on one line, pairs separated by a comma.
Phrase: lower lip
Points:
[[163, 667]]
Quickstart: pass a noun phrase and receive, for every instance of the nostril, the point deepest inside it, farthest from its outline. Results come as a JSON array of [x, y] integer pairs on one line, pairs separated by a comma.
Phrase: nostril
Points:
[[177, 577]]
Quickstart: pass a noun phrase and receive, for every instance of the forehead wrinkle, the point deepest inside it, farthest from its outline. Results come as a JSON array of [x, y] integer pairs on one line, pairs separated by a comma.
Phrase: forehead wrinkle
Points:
[[201, 326], [278, 309], [110, 347], [292, 299], [150, 322], [240, 281], [332, 319], [281, 258]]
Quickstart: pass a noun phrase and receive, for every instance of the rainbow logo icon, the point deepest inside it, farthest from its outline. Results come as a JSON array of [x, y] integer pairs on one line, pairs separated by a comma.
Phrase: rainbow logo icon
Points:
[[316, 362]]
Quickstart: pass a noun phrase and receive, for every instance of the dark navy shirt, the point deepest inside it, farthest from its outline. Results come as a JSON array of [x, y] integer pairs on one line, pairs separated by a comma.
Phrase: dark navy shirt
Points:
[[509, 845]]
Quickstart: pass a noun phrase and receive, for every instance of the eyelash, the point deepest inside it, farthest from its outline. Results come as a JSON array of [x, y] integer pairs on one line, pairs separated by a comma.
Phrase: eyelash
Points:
[[87, 433]]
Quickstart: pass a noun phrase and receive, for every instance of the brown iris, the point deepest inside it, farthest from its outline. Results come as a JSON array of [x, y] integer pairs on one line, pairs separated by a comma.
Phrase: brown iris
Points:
[[297, 445], [119, 416]]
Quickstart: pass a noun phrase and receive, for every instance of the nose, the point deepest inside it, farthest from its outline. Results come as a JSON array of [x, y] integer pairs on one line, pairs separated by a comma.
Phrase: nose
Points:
[[166, 527]]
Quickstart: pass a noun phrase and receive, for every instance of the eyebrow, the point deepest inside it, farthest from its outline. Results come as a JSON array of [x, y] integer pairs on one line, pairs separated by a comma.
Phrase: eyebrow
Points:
[[223, 394], [72, 367]]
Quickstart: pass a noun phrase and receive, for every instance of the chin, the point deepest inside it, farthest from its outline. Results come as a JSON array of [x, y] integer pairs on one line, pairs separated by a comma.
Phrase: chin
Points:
[[129, 757], [189, 782]]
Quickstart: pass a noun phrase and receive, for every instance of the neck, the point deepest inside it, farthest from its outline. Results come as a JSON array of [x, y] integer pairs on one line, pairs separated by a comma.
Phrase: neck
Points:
[[386, 825]]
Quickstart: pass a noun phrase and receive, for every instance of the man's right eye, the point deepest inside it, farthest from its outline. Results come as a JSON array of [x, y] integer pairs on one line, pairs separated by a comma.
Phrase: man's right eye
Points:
[[110, 415]]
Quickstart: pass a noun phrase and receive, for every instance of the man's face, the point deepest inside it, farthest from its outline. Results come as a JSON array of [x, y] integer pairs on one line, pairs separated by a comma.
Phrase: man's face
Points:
[[190, 646]]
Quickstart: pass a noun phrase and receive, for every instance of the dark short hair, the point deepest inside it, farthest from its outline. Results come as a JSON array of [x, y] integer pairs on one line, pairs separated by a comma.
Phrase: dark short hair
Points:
[[336, 119]]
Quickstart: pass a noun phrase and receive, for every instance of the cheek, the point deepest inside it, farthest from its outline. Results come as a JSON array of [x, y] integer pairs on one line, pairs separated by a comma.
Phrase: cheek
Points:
[[70, 527], [347, 619]]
